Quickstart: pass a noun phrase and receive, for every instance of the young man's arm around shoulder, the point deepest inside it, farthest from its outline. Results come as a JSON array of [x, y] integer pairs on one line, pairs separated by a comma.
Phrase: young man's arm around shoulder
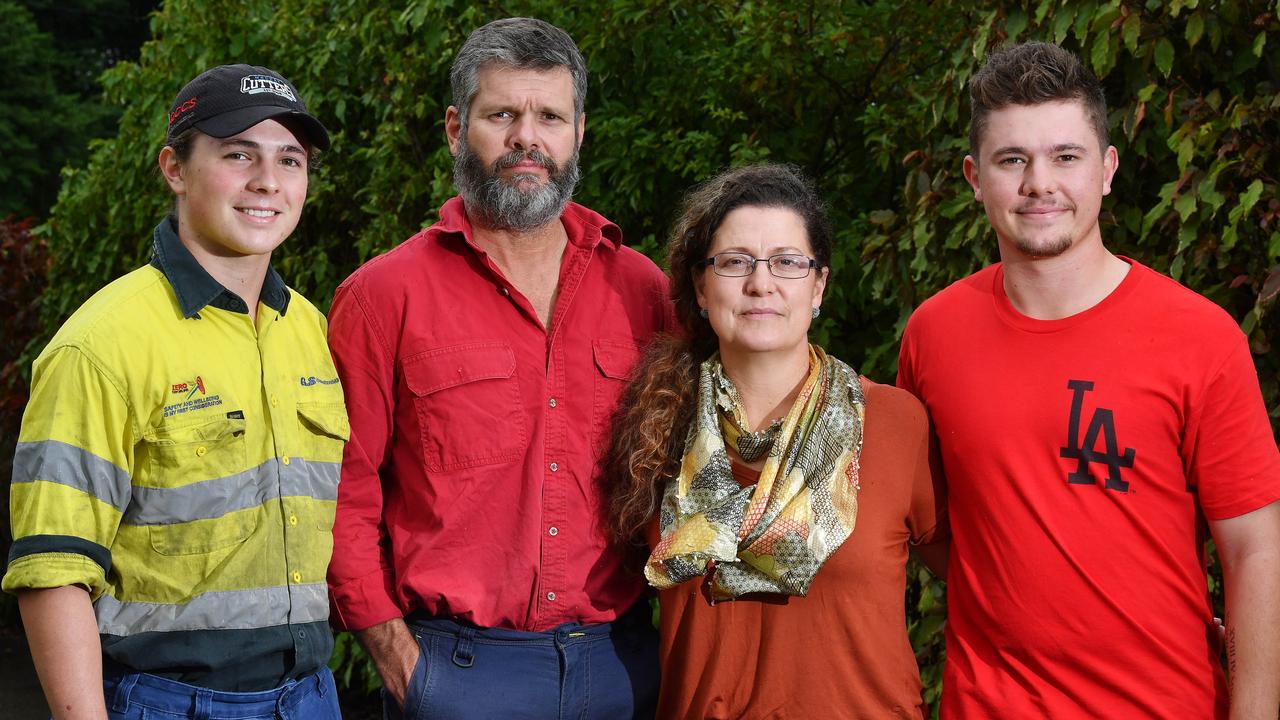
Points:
[[1249, 549]]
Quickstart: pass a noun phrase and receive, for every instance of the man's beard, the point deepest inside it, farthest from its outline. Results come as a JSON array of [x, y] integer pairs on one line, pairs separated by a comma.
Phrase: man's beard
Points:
[[501, 204], [1044, 249]]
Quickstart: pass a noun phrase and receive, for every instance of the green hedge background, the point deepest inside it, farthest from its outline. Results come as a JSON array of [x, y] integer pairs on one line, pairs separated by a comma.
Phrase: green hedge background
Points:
[[868, 97]]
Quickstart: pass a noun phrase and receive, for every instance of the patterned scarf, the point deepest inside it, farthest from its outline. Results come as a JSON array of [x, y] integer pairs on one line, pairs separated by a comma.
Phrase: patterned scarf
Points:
[[775, 535]]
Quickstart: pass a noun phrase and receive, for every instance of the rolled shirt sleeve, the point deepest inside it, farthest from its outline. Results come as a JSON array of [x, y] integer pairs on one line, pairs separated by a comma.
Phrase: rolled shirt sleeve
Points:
[[71, 475]]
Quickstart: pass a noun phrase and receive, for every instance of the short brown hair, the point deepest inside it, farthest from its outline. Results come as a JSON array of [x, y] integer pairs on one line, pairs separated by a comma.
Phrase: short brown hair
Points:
[[1030, 74]]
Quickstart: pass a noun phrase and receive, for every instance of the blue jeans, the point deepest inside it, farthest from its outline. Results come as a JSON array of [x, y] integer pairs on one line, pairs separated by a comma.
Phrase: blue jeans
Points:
[[574, 672], [146, 697]]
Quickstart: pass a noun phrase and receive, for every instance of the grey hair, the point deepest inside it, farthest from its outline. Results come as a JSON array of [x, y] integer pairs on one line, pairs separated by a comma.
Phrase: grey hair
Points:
[[520, 43]]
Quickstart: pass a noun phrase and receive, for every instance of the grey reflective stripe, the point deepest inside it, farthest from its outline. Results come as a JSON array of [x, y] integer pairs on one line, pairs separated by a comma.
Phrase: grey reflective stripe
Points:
[[65, 464], [209, 499], [223, 610], [314, 478]]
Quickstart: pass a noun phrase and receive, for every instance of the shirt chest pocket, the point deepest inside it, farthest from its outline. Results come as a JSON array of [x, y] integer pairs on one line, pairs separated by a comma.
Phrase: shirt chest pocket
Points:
[[468, 403], [196, 494], [322, 431], [614, 361]]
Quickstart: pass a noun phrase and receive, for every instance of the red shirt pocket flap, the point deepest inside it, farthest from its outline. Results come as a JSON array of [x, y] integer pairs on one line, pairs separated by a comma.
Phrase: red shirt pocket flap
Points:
[[616, 358], [442, 368]]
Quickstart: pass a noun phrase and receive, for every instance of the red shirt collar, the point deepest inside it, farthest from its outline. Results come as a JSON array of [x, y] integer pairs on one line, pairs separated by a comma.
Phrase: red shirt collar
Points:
[[586, 228]]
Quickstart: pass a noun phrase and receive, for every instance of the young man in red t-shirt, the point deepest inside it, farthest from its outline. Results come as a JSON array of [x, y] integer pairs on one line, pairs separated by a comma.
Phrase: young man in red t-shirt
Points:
[[1095, 418]]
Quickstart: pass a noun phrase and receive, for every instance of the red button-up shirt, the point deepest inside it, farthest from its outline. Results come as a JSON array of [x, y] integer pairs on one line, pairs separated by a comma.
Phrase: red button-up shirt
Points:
[[470, 484]]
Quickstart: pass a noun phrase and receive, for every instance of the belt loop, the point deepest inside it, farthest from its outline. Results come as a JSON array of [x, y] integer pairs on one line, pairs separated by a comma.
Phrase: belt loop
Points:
[[203, 709], [463, 655], [282, 699], [124, 688]]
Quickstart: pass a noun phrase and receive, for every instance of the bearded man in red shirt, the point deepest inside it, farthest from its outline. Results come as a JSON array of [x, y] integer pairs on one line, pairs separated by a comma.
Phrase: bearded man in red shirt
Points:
[[482, 359]]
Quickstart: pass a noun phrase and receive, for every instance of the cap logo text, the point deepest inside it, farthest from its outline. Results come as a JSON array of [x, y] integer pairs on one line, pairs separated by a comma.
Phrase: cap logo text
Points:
[[254, 84], [184, 107]]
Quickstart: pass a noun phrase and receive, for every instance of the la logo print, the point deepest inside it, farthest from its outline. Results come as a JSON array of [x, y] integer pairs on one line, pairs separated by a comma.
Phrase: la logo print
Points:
[[1102, 423]]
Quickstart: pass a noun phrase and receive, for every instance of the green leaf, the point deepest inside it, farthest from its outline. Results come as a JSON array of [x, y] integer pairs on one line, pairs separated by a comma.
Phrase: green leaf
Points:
[[1132, 30], [1016, 23], [1195, 28], [1187, 234], [1105, 48], [1211, 197], [1185, 205], [1084, 15], [1259, 43], [1043, 9], [1229, 237], [1062, 24], [1153, 216], [1164, 56], [984, 31], [955, 206], [1186, 149], [1249, 199]]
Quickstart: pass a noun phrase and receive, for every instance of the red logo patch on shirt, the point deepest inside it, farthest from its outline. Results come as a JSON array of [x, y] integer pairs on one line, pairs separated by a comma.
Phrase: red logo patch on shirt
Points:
[[190, 387]]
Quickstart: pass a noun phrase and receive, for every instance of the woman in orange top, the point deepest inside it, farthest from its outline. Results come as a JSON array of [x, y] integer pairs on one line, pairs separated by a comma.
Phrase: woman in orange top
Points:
[[778, 491]]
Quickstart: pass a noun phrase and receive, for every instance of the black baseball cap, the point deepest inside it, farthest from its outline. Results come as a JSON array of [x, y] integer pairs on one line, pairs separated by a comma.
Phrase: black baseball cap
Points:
[[230, 99]]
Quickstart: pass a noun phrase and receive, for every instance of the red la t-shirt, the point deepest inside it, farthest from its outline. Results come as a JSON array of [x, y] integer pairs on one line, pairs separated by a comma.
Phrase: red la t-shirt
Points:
[[1083, 456]]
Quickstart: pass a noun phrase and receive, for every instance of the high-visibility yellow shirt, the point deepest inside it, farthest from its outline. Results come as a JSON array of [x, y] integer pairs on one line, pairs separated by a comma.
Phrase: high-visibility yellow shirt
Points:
[[180, 461]]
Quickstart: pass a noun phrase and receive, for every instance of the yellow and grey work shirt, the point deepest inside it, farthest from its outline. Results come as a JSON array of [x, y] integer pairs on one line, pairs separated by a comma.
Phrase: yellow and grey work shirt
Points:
[[181, 462]]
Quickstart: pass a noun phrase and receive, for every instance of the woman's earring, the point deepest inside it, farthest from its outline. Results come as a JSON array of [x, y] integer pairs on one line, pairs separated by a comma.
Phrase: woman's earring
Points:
[[817, 312], [703, 313]]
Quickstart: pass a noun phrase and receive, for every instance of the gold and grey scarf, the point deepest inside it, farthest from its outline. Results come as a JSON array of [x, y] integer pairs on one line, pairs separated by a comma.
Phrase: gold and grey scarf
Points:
[[775, 535]]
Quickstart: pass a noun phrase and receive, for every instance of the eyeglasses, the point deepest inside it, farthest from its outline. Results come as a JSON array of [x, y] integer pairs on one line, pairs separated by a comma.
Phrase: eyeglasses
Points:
[[737, 264]]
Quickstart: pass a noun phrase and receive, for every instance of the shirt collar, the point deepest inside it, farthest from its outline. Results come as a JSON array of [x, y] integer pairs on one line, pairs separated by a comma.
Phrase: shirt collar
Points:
[[196, 288], [586, 228]]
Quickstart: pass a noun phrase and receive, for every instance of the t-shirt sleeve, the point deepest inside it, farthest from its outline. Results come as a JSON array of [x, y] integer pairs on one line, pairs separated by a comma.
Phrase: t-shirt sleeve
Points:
[[72, 475], [1229, 449]]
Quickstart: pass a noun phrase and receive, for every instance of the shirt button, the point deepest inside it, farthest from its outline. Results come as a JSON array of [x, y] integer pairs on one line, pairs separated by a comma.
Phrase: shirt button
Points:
[[553, 531], [202, 451], [297, 576], [551, 596], [554, 467], [293, 519], [552, 402], [275, 401], [285, 459]]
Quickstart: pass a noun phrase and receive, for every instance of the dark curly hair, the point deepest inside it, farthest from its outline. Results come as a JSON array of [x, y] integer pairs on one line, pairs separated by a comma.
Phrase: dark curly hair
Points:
[[653, 418]]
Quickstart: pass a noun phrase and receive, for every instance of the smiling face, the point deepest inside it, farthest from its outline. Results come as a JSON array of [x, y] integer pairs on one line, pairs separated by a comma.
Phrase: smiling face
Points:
[[516, 156], [760, 313], [242, 195], [1041, 176]]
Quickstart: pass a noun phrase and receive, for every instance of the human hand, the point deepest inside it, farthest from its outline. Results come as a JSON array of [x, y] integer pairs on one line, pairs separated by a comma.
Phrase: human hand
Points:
[[395, 653]]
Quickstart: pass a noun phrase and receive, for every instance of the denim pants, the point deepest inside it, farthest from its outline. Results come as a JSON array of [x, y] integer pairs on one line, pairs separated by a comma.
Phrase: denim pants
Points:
[[146, 697], [574, 672]]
